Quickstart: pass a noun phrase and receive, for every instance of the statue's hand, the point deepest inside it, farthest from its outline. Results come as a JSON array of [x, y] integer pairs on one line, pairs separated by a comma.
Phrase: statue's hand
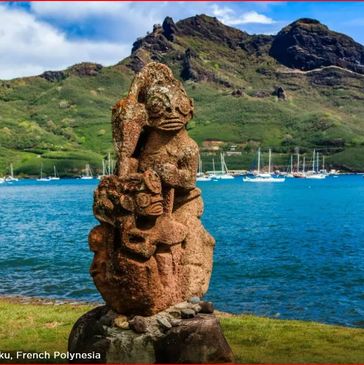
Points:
[[169, 173]]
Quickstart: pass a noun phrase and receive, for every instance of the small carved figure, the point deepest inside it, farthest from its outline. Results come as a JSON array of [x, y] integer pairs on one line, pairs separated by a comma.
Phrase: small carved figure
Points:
[[151, 250]]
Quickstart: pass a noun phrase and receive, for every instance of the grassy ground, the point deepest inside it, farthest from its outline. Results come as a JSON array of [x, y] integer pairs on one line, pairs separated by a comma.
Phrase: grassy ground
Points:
[[36, 327]]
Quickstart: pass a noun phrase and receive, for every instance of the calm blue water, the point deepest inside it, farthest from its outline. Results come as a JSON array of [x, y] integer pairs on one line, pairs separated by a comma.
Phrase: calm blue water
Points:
[[291, 250]]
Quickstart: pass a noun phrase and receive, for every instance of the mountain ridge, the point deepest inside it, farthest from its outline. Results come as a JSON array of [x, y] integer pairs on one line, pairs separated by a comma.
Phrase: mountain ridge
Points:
[[246, 95]]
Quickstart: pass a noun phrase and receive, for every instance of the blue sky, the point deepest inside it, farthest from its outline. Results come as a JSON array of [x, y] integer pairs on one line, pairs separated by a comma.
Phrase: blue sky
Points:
[[40, 36]]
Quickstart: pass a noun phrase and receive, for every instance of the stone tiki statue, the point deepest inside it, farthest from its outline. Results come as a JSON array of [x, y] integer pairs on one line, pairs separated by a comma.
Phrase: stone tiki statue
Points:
[[151, 250]]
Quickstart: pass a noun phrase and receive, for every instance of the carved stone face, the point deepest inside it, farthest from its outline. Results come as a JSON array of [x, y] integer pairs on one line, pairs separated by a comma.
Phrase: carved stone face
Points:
[[169, 108]]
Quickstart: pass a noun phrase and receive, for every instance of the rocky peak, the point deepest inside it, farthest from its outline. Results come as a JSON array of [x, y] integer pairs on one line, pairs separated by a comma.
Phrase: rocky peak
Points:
[[307, 44], [85, 69], [169, 28], [210, 28]]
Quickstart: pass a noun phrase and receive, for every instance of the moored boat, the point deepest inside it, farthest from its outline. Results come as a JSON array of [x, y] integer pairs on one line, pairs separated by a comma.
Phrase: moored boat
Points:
[[264, 177]]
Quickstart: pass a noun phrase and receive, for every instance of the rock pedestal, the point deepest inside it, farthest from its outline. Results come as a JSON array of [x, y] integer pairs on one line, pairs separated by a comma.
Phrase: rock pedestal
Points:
[[180, 334]]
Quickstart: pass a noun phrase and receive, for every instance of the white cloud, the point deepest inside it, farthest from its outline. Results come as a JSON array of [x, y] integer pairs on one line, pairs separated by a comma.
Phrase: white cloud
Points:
[[229, 17], [54, 35], [29, 46]]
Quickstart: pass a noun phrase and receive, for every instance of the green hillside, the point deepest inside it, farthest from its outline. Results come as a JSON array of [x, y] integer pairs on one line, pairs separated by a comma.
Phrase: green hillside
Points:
[[63, 118]]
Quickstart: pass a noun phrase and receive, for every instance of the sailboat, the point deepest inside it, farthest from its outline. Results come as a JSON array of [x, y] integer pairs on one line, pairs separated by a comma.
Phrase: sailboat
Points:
[[55, 175], [224, 175], [212, 174], [103, 171], [315, 173], [264, 177], [41, 175], [201, 176], [11, 177], [300, 174], [88, 173], [290, 173], [106, 171]]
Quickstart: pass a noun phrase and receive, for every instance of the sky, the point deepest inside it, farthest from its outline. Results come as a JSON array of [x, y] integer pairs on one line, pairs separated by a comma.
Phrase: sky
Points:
[[41, 35]]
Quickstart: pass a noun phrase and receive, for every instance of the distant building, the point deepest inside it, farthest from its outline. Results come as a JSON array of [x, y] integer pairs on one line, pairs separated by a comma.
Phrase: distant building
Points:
[[212, 144]]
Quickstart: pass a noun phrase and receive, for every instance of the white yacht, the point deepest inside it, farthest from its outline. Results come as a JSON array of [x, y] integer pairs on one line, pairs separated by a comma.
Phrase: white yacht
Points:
[[11, 177], [315, 172], [55, 174], [41, 178], [223, 174], [106, 170], [88, 173], [260, 177], [201, 176]]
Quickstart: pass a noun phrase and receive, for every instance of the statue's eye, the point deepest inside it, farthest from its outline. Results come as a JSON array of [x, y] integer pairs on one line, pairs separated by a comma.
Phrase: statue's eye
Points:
[[156, 106], [143, 200], [184, 106]]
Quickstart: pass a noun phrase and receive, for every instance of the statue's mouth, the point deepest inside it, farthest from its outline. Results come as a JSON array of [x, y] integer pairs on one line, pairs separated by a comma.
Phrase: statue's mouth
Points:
[[171, 124], [155, 209]]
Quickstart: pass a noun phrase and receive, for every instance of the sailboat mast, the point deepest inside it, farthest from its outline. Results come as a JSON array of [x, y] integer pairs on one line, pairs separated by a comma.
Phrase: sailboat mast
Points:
[[318, 162], [222, 162], [213, 165], [270, 160], [291, 164], [298, 161], [258, 160], [323, 162], [225, 166], [11, 170], [313, 161], [109, 164], [304, 164]]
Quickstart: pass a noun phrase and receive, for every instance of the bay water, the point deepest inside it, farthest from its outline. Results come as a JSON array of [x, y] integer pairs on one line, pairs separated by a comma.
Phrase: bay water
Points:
[[287, 250]]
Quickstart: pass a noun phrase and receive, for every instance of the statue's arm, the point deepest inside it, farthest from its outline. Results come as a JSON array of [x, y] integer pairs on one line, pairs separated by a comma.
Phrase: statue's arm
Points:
[[128, 120]]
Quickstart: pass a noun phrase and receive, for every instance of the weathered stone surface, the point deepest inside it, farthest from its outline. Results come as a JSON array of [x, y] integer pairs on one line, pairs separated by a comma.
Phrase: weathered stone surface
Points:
[[53, 76], [85, 69], [163, 340], [121, 322], [206, 307], [196, 340], [194, 300], [151, 250], [188, 313], [280, 93], [307, 44], [169, 28], [138, 324]]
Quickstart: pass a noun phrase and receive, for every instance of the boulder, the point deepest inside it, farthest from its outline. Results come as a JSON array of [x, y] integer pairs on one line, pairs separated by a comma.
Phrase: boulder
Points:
[[160, 338]]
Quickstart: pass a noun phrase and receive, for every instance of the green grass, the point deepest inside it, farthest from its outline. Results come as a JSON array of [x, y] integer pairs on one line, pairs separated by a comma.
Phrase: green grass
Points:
[[39, 327], [36, 328], [263, 340]]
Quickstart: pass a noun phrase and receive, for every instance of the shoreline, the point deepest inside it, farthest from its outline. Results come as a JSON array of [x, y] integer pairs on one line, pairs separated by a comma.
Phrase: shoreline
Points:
[[42, 301], [24, 299]]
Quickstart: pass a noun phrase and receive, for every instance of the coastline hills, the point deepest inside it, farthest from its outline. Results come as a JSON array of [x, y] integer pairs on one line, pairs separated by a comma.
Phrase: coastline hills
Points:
[[302, 88]]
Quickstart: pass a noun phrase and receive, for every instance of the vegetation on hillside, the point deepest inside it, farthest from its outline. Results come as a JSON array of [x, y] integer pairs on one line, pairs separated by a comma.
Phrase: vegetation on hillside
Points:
[[63, 118]]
